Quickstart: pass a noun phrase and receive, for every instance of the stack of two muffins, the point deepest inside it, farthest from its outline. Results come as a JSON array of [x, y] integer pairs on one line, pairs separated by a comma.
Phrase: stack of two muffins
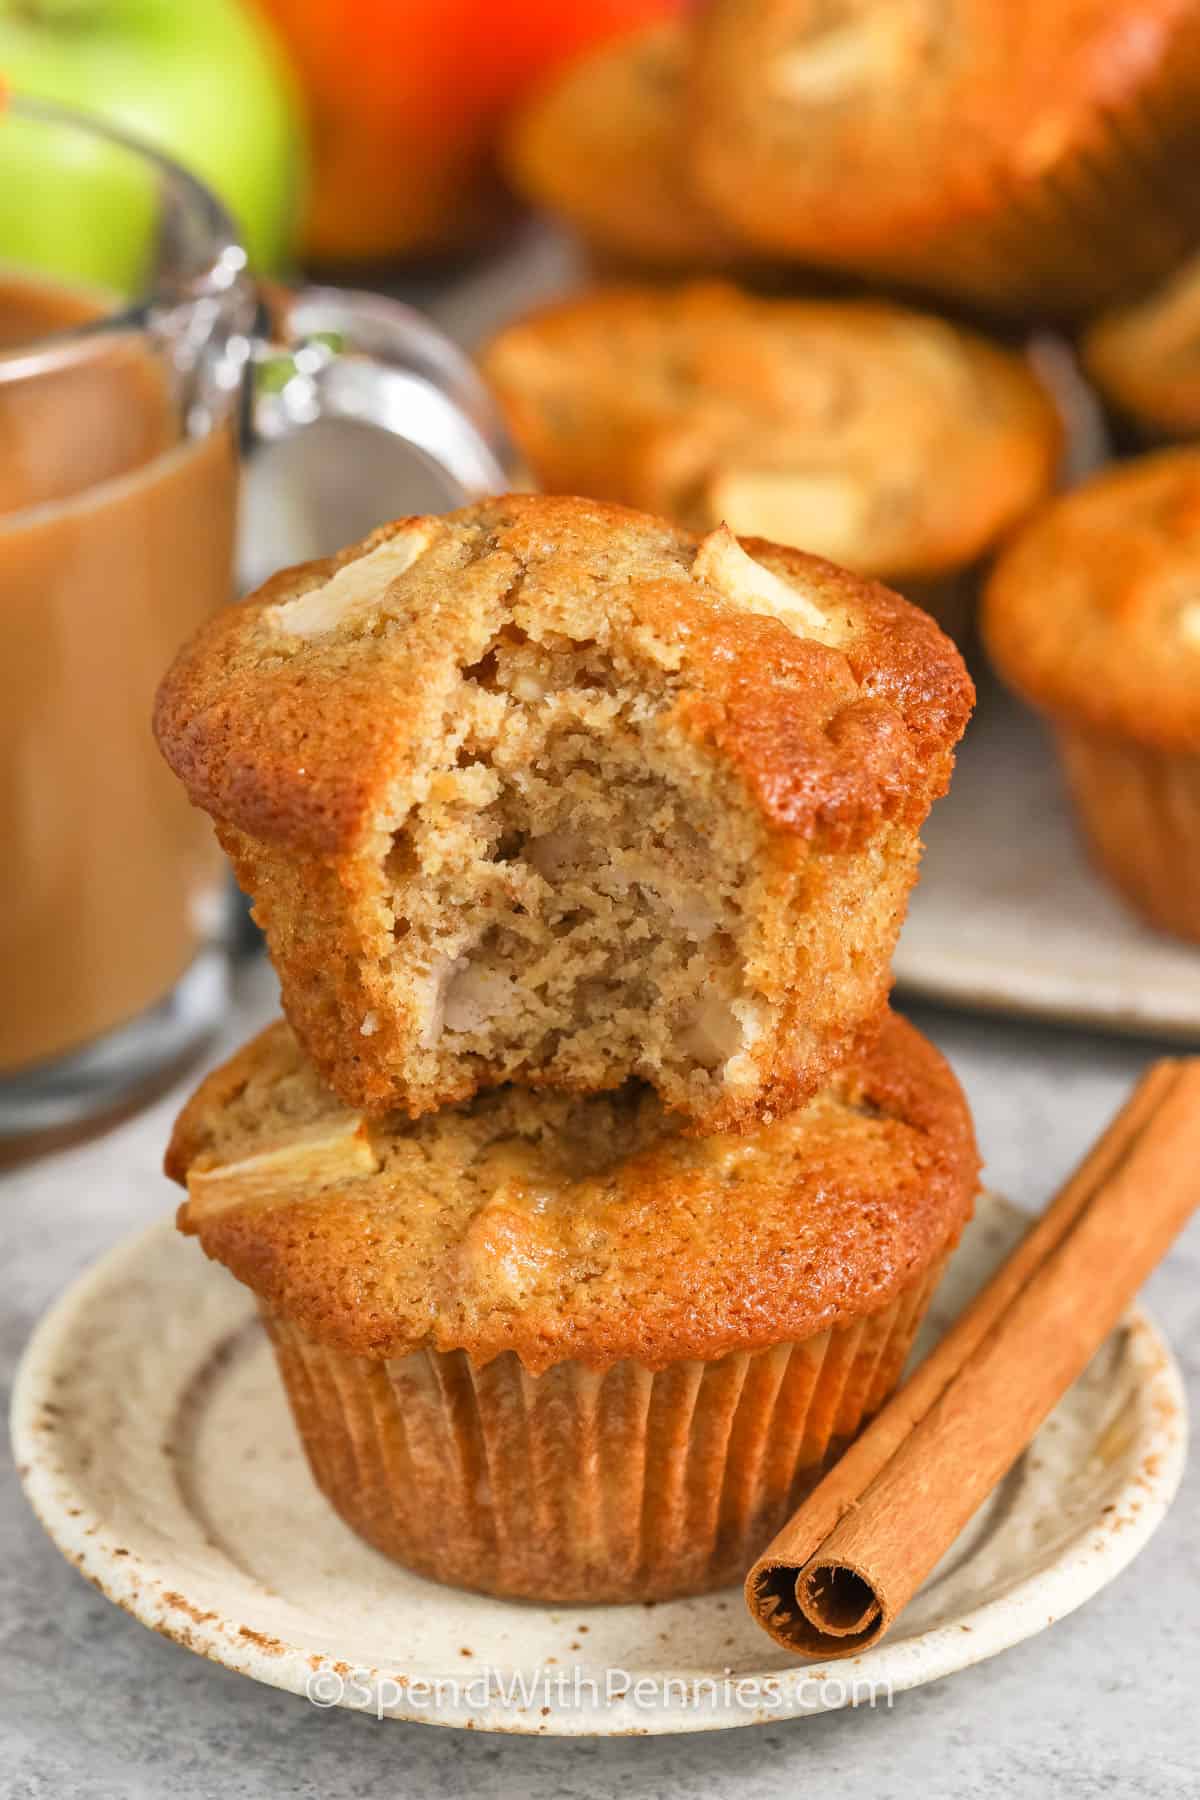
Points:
[[592, 1195]]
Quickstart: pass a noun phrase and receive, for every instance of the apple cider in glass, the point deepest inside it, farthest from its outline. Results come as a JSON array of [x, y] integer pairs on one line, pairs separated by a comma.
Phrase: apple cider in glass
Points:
[[116, 540], [124, 314]]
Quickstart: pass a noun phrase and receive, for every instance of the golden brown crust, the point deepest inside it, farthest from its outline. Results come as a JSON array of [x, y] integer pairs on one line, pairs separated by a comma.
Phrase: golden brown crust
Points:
[[728, 757], [240, 741], [299, 741], [589, 1230], [1092, 613], [892, 441], [1145, 357], [1033, 157], [604, 147]]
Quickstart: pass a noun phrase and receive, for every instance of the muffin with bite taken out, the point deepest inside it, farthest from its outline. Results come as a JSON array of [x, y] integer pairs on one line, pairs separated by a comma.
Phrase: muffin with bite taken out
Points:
[[552, 792]]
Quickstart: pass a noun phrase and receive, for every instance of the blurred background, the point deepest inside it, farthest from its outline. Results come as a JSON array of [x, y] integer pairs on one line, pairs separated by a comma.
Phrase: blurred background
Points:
[[914, 284], [891, 277], [349, 137]]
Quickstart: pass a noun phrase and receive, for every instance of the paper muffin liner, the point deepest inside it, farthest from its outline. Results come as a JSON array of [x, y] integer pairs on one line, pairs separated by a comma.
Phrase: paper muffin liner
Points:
[[1110, 220], [1140, 812], [575, 1485]]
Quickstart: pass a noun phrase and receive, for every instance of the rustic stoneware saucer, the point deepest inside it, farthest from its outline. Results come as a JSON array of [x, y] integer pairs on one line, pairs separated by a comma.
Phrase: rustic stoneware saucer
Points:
[[1009, 914], [155, 1446]]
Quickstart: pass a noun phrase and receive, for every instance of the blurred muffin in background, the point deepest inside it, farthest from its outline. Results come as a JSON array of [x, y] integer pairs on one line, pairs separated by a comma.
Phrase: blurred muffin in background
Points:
[[603, 148], [1145, 357], [1093, 616], [1035, 157], [887, 440]]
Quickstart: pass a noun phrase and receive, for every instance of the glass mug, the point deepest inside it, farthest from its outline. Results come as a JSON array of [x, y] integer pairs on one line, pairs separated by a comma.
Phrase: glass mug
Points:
[[134, 369]]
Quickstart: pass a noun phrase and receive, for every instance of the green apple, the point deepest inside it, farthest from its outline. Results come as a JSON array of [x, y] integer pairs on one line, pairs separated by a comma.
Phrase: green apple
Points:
[[202, 80]]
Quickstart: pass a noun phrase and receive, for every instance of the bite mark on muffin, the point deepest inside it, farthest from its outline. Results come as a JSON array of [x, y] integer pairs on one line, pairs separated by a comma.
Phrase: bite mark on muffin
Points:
[[549, 888], [517, 900]]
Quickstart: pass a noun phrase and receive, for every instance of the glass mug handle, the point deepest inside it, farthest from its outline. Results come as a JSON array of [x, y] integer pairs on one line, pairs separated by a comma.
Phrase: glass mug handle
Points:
[[338, 354]]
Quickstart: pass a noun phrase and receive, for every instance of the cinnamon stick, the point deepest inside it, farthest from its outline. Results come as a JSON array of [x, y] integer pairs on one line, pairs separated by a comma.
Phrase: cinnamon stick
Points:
[[849, 1560]]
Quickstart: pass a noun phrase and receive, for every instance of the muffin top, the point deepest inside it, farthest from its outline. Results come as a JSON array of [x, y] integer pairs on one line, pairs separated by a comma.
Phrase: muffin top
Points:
[[883, 438], [573, 1228], [604, 146], [302, 716], [1094, 612], [1146, 357], [822, 125]]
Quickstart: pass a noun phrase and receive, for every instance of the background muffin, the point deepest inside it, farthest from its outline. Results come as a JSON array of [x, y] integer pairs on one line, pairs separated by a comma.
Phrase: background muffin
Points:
[[549, 791], [603, 148], [1145, 357], [888, 440], [550, 1347], [1094, 617], [1034, 158]]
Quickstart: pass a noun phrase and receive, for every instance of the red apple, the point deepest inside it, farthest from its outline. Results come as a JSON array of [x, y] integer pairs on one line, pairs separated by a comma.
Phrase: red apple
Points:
[[404, 98]]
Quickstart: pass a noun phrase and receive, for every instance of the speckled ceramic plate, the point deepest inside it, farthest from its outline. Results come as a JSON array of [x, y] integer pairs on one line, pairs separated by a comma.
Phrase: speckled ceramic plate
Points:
[[154, 1443], [1010, 915]]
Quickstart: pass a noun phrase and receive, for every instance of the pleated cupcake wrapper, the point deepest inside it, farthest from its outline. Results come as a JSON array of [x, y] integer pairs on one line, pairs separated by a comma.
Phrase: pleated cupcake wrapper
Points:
[[576, 1485], [1140, 811], [1114, 218]]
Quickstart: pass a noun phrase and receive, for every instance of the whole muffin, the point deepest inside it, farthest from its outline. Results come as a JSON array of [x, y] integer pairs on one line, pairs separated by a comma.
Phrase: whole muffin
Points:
[[888, 440], [550, 791], [603, 147], [551, 1348], [1032, 156], [1094, 617], [1145, 357]]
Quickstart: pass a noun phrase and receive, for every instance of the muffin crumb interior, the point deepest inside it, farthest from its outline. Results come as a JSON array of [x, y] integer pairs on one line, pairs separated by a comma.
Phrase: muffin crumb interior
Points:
[[560, 894]]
